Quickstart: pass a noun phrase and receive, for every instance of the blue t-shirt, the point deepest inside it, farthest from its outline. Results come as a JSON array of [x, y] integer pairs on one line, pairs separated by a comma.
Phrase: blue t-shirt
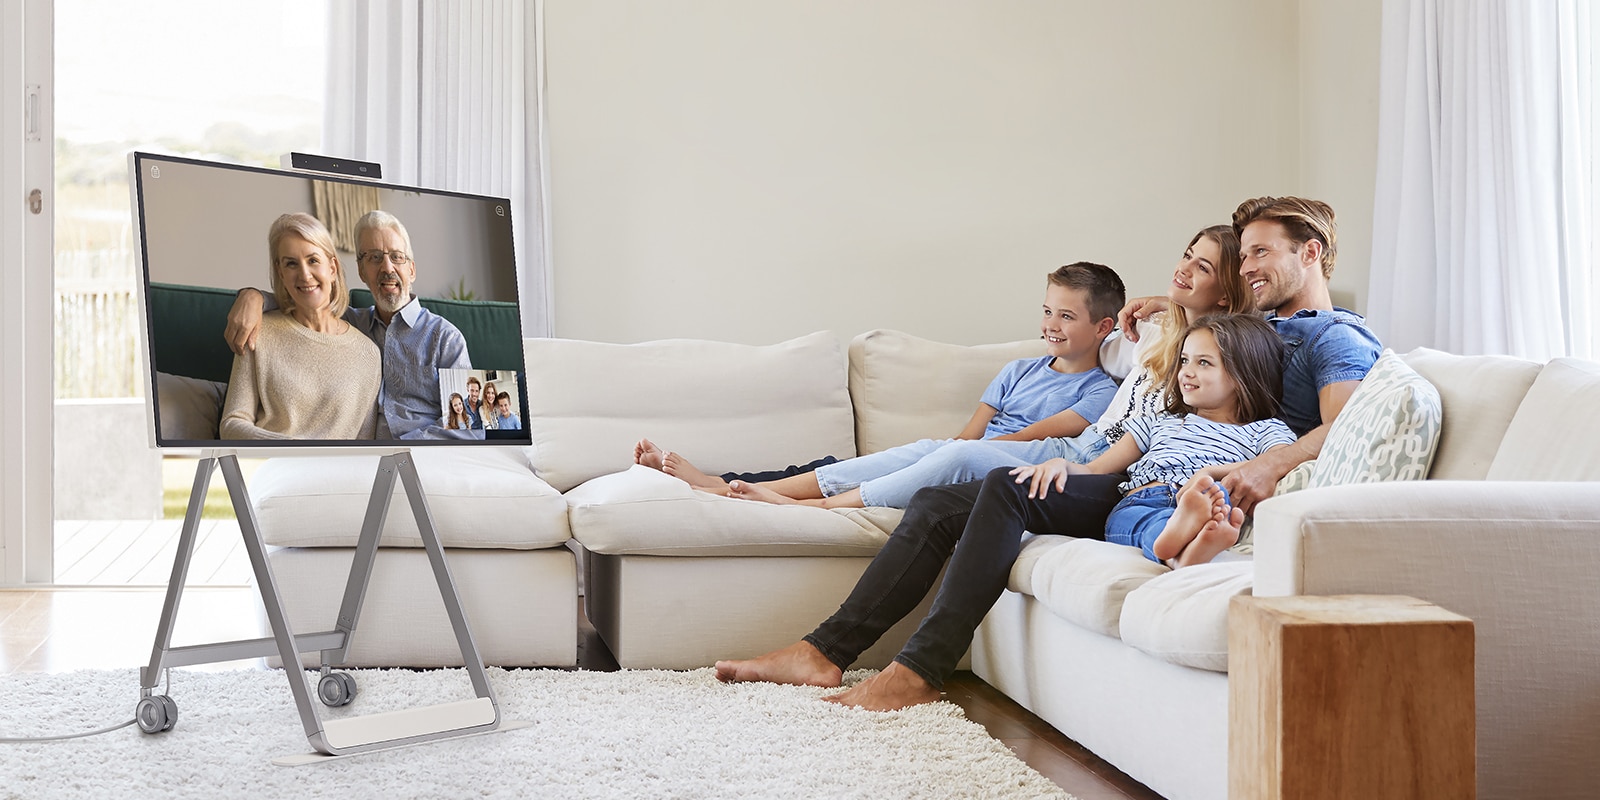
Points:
[[1028, 390], [1321, 348]]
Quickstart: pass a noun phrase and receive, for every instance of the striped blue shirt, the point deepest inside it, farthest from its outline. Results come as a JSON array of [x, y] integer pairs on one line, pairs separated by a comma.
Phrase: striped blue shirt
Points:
[[416, 343], [1176, 447]]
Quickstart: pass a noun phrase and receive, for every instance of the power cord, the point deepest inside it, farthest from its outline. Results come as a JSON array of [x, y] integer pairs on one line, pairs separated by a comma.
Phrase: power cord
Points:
[[65, 736]]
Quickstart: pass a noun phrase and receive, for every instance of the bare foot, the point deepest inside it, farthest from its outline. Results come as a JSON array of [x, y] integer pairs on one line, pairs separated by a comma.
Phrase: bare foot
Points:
[[1219, 534], [799, 664], [894, 688], [1196, 507], [677, 466], [755, 491], [645, 452]]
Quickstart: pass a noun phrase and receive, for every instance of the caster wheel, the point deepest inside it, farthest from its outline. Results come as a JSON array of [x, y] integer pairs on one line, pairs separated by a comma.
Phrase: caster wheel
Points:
[[336, 689], [156, 714]]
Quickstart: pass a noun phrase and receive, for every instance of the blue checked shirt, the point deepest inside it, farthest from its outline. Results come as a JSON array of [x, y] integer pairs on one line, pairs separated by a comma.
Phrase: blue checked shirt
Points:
[[416, 344]]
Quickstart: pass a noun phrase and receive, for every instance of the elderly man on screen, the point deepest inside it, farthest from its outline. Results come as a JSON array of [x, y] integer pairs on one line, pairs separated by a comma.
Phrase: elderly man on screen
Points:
[[415, 343]]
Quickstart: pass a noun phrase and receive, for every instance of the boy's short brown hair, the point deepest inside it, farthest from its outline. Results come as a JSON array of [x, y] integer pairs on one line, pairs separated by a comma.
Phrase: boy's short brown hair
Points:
[[1301, 219], [1101, 283]]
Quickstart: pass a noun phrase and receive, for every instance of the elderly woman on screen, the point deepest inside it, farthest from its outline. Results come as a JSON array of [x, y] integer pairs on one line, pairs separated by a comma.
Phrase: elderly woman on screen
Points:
[[311, 375]]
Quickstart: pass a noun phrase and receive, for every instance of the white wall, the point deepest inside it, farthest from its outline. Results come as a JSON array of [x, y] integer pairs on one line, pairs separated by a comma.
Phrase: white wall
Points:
[[1339, 43], [754, 171]]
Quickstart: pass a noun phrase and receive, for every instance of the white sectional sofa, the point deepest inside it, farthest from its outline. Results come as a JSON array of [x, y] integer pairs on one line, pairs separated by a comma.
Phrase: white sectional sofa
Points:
[[1120, 654]]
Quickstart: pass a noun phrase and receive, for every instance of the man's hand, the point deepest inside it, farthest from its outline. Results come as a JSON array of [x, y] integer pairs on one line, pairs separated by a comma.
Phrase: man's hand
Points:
[[1251, 482], [1137, 309], [244, 322]]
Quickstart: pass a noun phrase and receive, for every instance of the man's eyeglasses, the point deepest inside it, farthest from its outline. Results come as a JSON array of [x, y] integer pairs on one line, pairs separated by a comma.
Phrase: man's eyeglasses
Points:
[[394, 257]]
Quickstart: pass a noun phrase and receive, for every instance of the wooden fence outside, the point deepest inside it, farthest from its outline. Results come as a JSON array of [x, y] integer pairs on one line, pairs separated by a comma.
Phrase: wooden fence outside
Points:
[[97, 325]]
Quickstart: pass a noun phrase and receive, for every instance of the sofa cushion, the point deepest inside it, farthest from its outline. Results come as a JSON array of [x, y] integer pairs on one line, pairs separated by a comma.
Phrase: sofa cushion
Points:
[[483, 497], [1552, 437], [729, 407], [1182, 616], [1388, 430], [1084, 581], [905, 388], [1479, 395], [642, 511]]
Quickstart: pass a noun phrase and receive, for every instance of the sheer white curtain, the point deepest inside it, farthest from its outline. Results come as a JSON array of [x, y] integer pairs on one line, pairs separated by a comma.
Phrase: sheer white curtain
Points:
[[1484, 217], [448, 96]]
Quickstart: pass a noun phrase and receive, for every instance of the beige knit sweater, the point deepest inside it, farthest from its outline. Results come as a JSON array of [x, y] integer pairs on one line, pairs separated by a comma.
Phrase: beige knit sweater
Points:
[[301, 384]]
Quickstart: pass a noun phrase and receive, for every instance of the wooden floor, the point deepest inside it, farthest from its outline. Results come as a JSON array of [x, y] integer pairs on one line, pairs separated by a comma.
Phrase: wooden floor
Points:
[[63, 629]]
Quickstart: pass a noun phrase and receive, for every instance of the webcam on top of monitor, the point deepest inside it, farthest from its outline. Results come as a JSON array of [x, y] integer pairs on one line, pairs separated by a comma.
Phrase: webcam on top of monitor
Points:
[[337, 166]]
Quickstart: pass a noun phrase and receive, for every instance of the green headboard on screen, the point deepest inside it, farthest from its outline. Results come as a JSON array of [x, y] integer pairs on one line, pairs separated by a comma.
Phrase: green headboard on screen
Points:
[[187, 323]]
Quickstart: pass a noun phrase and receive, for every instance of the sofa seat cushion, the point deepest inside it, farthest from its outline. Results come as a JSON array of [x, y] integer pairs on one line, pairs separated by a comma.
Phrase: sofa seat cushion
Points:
[[479, 497], [642, 511], [1553, 436], [729, 407], [1182, 617], [1083, 581]]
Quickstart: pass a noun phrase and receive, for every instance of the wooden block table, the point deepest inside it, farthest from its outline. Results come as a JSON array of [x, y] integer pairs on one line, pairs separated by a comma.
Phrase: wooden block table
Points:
[[1349, 696]]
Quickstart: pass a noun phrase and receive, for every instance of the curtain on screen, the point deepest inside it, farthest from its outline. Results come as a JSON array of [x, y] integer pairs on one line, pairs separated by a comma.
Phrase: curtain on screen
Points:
[[1484, 217], [447, 95]]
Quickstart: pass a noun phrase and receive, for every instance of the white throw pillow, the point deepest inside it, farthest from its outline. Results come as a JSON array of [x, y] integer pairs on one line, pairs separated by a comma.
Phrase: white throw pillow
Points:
[[1182, 616], [1388, 431]]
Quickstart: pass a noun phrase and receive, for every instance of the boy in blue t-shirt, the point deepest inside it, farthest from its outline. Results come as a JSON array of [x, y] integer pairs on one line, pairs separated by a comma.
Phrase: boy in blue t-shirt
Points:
[[1039, 400]]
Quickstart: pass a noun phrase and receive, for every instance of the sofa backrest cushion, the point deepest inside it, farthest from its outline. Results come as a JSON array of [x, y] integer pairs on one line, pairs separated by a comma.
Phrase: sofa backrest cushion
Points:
[[728, 407], [906, 388], [1479, 394], [1553, 436]]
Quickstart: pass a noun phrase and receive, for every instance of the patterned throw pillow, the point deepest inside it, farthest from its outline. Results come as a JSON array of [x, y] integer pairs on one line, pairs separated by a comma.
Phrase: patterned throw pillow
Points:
[[1388, 431]]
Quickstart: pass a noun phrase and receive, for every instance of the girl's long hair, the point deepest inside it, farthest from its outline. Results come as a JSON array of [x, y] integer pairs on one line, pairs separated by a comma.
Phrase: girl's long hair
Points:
[[458, 416], [1175, 325], [1252, 353]]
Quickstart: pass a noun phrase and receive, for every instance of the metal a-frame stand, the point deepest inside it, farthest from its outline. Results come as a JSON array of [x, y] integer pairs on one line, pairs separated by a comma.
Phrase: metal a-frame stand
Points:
[[336, 737]]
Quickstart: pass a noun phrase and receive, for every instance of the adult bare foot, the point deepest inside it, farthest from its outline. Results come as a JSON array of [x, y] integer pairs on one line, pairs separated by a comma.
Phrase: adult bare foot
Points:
[[645, 452], [894, 688], [755, 491], [677, 466], [1196, 507], [799, 664], [1218, 535]]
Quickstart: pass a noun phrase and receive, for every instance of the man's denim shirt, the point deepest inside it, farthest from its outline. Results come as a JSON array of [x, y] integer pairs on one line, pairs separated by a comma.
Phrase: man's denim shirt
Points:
[[1320, 348]]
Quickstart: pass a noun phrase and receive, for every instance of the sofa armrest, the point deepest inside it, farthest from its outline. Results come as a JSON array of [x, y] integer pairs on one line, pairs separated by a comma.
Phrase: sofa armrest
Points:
[[1430, 539], [1517, 558]]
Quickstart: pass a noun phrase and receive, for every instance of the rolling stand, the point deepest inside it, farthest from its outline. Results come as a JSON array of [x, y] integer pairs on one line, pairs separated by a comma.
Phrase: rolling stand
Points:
[[338, 737]]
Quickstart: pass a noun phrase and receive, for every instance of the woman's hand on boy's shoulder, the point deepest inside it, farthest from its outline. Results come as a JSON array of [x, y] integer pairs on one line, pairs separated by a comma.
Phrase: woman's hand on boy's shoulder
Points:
[[1139, 308]]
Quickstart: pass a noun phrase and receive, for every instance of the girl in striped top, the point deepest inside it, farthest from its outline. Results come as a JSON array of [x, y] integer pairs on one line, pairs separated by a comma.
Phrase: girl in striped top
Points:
[[1222, 397]]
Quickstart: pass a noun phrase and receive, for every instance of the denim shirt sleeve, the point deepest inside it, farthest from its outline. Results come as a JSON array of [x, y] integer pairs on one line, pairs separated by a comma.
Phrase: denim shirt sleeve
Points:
[[1321, 348]]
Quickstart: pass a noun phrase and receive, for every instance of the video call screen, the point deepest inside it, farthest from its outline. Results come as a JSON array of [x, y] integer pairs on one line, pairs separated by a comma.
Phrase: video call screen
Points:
[[380, 315]]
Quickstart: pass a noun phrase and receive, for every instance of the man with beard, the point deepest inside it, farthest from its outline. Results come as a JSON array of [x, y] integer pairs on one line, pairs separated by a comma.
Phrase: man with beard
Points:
[[415, 342]]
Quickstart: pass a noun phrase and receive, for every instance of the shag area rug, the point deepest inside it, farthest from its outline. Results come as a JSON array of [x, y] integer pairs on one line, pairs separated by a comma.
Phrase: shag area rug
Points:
[[629, 734]]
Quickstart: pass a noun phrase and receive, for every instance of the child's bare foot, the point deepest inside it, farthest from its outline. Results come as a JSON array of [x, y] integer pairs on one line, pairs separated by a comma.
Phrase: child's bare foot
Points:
[[799, 664], [755, 491], [1196, 507], [1219, 534], [645, 452], [677, 466], [894, 688]]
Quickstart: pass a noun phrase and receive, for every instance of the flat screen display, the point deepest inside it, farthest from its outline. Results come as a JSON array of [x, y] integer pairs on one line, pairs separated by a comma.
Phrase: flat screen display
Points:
[[366, 314]]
